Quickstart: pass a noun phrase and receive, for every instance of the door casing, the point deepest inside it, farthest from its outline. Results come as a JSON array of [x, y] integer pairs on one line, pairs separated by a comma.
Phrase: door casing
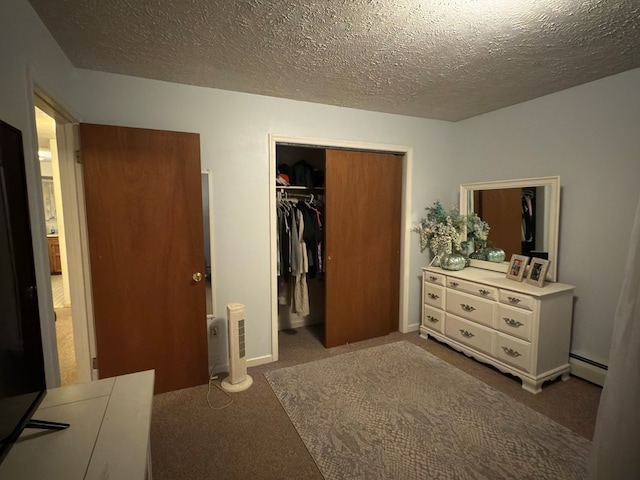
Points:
[[405, 239]]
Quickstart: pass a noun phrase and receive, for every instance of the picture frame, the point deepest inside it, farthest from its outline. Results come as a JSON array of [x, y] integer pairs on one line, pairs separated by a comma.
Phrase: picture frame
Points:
[[538, 271], [517, 267]]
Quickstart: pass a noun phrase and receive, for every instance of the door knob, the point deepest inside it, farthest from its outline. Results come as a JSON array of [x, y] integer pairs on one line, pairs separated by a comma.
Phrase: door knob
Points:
[[197, 277]]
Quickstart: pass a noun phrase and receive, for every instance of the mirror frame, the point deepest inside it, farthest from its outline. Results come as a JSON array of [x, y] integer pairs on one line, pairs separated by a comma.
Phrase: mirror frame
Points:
[[467, 189]]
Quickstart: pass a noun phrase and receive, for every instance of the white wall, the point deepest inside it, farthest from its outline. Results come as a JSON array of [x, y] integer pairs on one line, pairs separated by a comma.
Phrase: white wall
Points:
[[587, 134], [590, 136], [29, 54], [234, 129]]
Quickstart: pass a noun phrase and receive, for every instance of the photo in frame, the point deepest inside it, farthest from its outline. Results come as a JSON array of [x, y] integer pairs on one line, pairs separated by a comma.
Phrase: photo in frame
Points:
[[538, 271], [517, 266]]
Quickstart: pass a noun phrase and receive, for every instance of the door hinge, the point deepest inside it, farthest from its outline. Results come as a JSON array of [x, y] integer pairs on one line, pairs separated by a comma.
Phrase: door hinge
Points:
[[94, 363], [78, 157]]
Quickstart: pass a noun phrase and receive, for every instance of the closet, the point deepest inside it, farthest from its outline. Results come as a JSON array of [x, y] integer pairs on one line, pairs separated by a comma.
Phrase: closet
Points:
[[299, 188], [354, 289]]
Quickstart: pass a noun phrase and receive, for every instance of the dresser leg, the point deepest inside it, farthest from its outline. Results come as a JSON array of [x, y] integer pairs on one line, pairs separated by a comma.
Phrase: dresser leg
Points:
[[532, 386]]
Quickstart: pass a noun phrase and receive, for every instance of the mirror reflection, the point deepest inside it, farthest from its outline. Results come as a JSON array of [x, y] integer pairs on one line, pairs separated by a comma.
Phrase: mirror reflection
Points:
[[522, 216], [517, 217]]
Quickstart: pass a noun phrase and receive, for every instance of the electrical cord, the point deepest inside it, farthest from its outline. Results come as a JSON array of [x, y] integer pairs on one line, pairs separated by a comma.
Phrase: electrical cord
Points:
[[211, 382]]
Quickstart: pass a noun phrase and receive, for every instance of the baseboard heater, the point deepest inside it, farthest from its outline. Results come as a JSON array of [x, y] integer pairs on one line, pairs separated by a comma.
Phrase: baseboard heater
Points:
[[588, 369]]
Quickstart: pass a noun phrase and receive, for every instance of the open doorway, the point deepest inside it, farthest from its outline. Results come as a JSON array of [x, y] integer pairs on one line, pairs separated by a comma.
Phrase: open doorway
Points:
[[54, 228], [60, 140]]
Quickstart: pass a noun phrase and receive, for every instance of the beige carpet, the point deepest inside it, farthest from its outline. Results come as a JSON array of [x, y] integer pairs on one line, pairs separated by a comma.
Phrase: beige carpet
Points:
[[66, 348], [396, 412], [255, 439]]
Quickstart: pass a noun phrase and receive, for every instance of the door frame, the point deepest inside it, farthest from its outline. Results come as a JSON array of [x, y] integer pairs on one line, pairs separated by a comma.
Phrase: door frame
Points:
[[75, 232], [405, 238]]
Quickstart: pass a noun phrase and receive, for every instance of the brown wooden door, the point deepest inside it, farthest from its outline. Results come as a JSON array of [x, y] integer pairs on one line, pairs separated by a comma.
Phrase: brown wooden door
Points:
[[502, 210], [55, 265], [144, 219], [362, 235]]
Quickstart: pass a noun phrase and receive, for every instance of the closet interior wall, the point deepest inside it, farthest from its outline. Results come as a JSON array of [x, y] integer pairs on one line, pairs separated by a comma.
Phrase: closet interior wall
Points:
[[290, 155]]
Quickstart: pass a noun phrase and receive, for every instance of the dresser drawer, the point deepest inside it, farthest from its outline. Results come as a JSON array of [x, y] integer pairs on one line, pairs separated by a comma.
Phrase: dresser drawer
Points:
[[471, 307], [478, 289], [433, 319], [516, 299], [433, 295], [513, 351], [436, 278], [470, 333], [515, 321]]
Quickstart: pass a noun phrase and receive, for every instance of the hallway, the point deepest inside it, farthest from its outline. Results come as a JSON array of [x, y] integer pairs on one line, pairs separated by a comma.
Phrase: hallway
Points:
[[64, 334]]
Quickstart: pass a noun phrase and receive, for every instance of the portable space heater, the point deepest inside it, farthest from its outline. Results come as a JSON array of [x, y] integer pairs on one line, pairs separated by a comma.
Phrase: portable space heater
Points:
[[238, 379]]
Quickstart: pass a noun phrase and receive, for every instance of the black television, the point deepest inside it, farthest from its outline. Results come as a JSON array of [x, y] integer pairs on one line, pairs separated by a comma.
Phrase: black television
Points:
[[22, 375]]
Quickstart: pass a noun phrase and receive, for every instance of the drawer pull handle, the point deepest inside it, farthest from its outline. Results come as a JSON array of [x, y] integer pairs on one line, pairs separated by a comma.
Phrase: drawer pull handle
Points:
[[513, 299], [433, 296], [432, 278], [512, 323], [484, 292], [467, 308], [454, 284], [467, 334], [511, 352], [432, 319]]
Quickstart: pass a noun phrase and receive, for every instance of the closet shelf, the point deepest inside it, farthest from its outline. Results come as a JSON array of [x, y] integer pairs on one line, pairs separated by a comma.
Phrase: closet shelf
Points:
[[297, 187]]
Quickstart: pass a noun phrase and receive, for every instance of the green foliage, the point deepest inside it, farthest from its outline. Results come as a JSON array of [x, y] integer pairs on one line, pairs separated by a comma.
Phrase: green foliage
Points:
[[444, 232]]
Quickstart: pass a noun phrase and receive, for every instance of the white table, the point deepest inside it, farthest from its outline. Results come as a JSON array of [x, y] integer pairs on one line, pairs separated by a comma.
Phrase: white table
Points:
[[108, 437]]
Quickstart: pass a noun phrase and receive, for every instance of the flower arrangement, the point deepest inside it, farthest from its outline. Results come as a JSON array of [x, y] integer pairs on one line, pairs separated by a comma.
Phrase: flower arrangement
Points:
[[440, 231], [477, 230], [443, 232]]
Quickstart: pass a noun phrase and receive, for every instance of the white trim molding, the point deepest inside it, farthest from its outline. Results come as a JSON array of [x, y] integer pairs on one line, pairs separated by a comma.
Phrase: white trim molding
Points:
[[405, 222]]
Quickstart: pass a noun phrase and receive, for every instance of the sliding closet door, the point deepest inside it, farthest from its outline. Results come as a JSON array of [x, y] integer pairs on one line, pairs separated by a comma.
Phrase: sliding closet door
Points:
[[362, 236], [502, 209]]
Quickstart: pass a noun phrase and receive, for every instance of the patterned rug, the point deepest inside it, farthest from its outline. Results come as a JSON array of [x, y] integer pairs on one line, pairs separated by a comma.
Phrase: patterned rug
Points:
[[398, 412]]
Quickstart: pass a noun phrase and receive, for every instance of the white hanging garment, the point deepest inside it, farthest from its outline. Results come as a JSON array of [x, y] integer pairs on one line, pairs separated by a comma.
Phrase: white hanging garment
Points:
[[616, 443]]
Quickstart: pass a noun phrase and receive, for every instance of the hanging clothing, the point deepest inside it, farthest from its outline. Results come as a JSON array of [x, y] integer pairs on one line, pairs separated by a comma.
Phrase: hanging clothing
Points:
[[287, 234], [528, 224], [300, 303], [312, 236], [283, 237], [300, 250]]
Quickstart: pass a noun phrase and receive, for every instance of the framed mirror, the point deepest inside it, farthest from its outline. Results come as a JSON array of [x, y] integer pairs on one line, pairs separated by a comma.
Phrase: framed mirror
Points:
[[523, 216]]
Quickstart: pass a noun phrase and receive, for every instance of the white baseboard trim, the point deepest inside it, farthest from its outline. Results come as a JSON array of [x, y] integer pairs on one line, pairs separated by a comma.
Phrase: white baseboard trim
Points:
[[587, 371], [254, 362], [412, 328]]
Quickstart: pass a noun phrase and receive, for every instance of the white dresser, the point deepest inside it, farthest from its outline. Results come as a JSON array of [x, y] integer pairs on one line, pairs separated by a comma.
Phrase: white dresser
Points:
[[108, 438], [516, 327]]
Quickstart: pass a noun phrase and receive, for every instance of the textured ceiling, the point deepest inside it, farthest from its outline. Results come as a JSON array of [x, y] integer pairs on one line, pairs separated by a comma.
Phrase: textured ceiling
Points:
[[446, 60]]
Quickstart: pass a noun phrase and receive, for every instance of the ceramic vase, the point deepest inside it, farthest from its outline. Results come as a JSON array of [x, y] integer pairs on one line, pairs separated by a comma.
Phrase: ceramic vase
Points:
[[453, 261], [495, 255]]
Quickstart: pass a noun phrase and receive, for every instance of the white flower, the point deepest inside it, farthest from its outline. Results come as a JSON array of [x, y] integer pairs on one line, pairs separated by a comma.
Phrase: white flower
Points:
[[439, 231]]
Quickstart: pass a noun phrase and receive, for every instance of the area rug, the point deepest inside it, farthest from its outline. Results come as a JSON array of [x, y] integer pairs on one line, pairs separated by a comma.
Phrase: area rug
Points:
[[397, 412]]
